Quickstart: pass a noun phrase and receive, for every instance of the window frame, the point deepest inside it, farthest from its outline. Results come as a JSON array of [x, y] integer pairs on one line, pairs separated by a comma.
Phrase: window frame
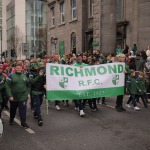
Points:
[[91, 8], [73, 9], [52, 16], [62, 12]]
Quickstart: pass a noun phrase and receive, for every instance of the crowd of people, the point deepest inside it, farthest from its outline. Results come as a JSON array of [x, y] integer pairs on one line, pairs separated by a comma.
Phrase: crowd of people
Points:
[[25, 80]]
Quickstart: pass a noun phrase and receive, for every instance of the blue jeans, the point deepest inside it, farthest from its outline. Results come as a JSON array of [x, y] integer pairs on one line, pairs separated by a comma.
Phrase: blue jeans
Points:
[[38, 99], [133, 99]]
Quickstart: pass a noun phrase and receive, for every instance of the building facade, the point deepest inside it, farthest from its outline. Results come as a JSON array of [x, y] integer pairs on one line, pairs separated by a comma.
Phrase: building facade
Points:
[[66, 21], [27, 17], [36, 20], [88, 25], [3, 27]]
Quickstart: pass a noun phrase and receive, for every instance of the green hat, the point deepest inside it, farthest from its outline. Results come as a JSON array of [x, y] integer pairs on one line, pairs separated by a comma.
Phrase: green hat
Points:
[[39, 64], [32, 66]]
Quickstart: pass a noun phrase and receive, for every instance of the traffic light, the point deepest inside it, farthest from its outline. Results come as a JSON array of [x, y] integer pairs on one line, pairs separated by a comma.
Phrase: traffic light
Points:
[[12, 53]]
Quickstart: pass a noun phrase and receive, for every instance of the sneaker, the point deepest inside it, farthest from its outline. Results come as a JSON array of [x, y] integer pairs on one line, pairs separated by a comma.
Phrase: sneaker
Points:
[[82, 113], [57, 107], [94, 110], [40, 122], [24, 125], [128, 105], [136, 108], [123, 109]]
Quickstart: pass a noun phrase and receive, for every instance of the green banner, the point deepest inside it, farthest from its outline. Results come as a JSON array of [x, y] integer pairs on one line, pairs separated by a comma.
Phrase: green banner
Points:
[[84, 94], [61, 48]]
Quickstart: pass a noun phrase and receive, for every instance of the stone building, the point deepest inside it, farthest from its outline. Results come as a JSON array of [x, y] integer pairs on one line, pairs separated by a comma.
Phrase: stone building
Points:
[[87, 25]]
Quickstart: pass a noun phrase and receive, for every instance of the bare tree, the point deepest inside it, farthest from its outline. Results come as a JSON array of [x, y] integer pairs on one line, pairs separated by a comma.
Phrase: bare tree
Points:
[[42, 36], [16, 40]]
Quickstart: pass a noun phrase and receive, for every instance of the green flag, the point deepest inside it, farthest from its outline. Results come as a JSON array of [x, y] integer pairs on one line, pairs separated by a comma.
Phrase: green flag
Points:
[[61, 48]]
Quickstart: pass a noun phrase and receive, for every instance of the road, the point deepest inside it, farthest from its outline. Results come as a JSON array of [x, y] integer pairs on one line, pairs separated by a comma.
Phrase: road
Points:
[[66, 130]]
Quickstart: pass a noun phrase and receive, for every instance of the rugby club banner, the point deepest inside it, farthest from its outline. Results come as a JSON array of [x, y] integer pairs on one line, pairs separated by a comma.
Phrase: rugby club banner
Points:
[[66, 82]]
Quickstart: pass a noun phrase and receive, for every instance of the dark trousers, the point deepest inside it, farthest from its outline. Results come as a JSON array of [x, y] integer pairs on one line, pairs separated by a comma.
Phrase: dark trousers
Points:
[[143, 99], [5, 102], [133, 99], [78, 104], [119, 101], [22, 106], [92, 103], [32, 102], [38, 99], [0, 110]]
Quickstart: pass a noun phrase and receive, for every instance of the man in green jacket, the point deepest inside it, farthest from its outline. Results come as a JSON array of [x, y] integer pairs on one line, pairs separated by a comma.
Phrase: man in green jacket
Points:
[[17, 89]]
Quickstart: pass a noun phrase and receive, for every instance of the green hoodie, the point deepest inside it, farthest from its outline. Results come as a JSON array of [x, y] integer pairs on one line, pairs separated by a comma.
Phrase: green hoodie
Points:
[[142, 85], [79, 64], [132, 85], [17, 85]]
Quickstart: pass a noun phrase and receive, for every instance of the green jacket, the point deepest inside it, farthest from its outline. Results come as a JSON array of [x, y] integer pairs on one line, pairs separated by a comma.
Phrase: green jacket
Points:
[[2, 86], [142, 85], [118, 51], [77, 64], [17, 85], [132, 85]]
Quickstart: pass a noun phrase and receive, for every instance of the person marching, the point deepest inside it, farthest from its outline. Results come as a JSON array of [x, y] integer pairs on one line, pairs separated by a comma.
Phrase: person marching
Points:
[[37, 79], [78, 103], [119, 100], [17, 90], [56, 61], [143, 86], [133, 89]]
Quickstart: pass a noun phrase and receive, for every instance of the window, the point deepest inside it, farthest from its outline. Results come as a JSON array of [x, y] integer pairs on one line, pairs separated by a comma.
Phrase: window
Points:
[[62, 12], [73, 9], [40, 21], [52, 17], [119, 10], [91, 8], [73, 43]]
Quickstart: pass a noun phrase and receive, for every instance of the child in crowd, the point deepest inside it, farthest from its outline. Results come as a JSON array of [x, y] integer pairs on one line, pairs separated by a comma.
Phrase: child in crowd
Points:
[[143, 86], [133, 89]]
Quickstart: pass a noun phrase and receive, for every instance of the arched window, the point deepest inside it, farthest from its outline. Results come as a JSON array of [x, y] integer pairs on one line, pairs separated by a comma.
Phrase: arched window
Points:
[[73, 43]]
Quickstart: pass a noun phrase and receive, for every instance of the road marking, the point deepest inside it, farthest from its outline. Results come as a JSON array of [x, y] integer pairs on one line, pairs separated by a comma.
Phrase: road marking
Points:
[[18, 122]]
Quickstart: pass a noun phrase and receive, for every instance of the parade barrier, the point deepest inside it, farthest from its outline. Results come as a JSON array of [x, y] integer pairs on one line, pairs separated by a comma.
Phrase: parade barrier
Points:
[[66, 82]]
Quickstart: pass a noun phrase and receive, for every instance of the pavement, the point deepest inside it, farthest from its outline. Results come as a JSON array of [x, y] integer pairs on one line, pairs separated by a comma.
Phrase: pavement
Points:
[[106, 129]]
